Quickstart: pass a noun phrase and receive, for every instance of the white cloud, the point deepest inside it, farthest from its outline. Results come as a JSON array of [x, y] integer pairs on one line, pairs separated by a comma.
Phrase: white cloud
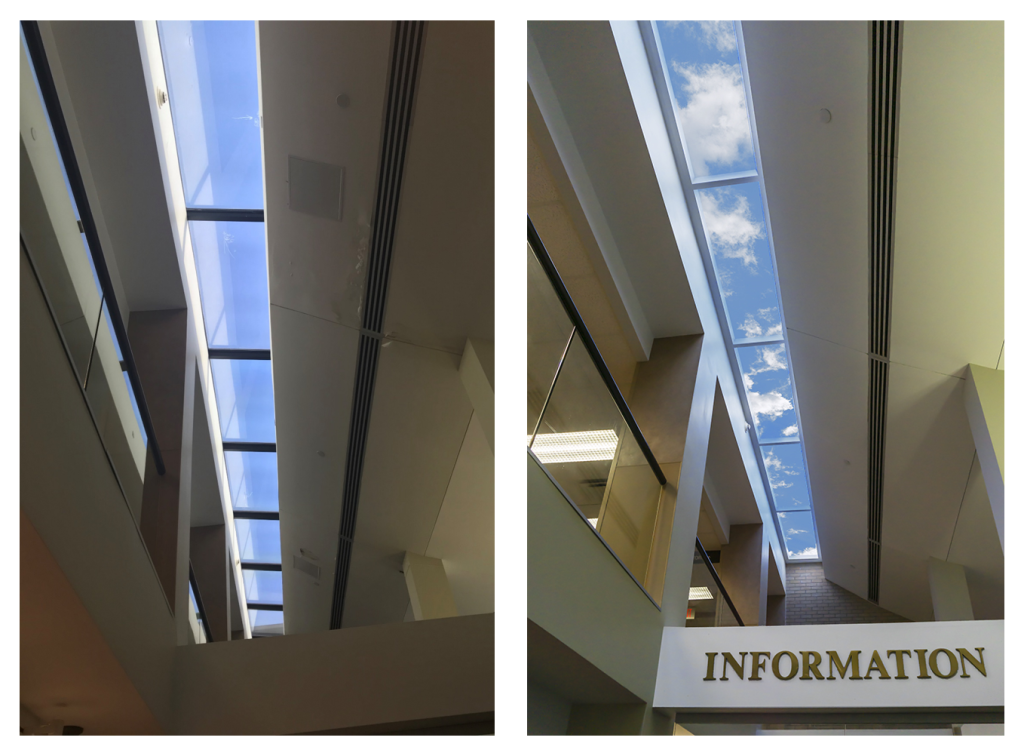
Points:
[[809, 552], [794, 531], [730, 227], [720, 34], [774, 358], [714, 119], [770, 405], [751, 327], [790, 431], [770, 358]]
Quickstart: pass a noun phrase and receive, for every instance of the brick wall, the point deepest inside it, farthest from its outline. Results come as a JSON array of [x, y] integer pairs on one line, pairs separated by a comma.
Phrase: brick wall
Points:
[[813, 600]]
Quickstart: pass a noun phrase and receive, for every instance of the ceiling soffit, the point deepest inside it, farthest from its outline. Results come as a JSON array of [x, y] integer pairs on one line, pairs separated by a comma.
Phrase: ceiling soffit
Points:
[[441, 293], [583, 66]]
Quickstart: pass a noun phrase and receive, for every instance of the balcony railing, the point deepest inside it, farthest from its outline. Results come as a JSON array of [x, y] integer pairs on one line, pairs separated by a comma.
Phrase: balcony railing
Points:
[[580, 429], [74, 276]]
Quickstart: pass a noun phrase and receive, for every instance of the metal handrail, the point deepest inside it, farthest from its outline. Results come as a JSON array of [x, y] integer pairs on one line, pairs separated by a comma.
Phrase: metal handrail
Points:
[[718, 581], [595, 354], [37, 53]]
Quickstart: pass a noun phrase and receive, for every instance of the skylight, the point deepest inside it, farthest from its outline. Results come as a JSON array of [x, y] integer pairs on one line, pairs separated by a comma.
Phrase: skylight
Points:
[[703, 65], [212, 82]]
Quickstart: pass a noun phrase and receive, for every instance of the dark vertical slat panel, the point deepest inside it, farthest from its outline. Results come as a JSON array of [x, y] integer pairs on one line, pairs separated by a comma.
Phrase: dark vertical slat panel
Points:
[[404, 74], [884, 132]]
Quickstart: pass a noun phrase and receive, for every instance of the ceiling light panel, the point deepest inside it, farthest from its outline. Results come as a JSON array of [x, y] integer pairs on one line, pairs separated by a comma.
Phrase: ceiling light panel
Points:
[[578, 446], [700, 593]]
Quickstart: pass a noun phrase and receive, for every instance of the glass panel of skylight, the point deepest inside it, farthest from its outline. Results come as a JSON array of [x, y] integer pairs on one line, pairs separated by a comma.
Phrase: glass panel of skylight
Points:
[[231, 259], [769, 388], [259, 540], [703, 62], [212, 83], [262, 586], [734, 226], [245, 399], [785, 466], [266, 621], [798, 532], [252, 479]]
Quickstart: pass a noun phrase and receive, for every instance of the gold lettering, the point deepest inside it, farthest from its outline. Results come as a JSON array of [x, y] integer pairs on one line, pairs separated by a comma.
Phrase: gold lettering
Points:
[[711, 665], [934, 664], [979, 663], [811, 666], [852, 663], [899, 662], [923, 663], [794, 665], [730, 660], [876, 666], [756, 665]]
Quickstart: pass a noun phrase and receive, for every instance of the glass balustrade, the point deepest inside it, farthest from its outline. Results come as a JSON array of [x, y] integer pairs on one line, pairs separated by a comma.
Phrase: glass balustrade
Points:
[[577, 430], [53, 239]]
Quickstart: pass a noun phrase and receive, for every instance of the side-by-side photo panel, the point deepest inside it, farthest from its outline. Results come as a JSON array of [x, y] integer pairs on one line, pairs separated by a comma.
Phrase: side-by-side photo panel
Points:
[[763, 498], [265, 364]]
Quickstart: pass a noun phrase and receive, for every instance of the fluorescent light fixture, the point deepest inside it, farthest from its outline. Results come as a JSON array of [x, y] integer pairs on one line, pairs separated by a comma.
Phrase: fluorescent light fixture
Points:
[[699, 593], [579, 446]]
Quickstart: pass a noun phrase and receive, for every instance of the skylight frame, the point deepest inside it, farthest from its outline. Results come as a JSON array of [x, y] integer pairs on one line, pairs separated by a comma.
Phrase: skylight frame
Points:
[[666, 95], [212, 215]]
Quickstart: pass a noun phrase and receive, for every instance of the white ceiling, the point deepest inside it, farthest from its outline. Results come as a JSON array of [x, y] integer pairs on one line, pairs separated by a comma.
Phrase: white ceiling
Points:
[[441, 293], [947, 286]]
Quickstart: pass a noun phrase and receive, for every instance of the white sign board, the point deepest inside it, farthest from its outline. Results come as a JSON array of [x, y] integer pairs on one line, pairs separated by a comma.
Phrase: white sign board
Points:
[[897, 665]]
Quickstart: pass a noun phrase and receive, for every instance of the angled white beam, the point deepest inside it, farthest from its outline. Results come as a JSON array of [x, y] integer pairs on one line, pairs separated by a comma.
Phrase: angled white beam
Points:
[[429, 592], [477, 373], [951, 600], [983, 399]]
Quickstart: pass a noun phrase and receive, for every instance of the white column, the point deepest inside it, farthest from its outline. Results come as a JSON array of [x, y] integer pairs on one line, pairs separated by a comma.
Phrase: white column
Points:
[[983, 398], [429, 591], [477, 373], [950, 598]]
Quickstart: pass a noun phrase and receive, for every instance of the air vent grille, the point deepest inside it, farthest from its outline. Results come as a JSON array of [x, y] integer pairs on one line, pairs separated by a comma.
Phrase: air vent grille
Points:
[[886, 39], [405, 60]]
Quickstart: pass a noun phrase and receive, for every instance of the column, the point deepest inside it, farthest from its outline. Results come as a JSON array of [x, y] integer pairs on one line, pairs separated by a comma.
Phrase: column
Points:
[[983, 399], [950, 597], [429, 592]]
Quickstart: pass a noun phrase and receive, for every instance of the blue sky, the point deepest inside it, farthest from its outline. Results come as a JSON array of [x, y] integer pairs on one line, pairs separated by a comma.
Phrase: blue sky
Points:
[[212, 83], [252, 477], [798, 531], [734, 224], [707, 81], [231, 259]]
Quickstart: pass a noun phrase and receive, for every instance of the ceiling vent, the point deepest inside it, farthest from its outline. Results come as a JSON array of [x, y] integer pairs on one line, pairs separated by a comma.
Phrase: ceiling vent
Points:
[[304, 565], [886, 49], [406, 49], [315, 188]]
